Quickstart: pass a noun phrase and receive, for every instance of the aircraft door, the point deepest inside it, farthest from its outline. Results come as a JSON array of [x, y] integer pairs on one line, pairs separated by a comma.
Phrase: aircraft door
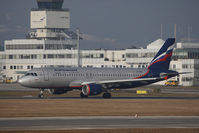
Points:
[[46, 74]]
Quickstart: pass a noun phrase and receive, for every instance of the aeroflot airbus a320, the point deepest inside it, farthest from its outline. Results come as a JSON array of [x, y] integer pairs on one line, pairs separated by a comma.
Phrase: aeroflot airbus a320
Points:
[[94, 81]]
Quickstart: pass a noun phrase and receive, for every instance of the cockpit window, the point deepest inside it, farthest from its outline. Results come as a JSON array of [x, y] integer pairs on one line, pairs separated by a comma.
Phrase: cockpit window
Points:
[[32, 74], [27, 74]]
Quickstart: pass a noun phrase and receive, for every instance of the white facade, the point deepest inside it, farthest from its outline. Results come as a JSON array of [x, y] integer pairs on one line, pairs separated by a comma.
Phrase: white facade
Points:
[[45, 19], [187, 45], [189, 66], [139, 58], [15, 61]]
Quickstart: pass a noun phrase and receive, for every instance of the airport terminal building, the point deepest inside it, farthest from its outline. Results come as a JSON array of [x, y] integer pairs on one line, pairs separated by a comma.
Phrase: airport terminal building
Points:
[[52, 44]]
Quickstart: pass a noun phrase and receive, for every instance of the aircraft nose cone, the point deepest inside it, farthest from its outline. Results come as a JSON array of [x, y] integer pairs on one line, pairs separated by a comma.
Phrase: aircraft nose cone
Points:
[[21, 81], [27, 81]]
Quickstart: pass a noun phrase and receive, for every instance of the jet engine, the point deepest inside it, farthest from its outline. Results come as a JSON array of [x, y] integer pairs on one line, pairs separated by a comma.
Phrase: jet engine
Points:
[[57, 91], [91, 89]]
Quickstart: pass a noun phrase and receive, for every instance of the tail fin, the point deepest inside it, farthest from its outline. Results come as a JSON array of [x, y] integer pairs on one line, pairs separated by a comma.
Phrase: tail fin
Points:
[[162, 59]]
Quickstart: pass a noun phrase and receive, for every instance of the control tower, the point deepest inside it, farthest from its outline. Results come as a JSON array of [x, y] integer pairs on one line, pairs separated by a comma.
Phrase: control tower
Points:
[[50, 42], [50, 21]]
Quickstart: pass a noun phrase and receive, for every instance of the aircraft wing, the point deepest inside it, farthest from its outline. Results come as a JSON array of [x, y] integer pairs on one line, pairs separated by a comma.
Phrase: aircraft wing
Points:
[[110, 84]]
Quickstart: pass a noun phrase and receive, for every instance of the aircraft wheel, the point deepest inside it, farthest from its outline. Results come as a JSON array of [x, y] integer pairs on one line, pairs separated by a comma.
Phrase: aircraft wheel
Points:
[[107, 95], [83, 96], [40, 96]]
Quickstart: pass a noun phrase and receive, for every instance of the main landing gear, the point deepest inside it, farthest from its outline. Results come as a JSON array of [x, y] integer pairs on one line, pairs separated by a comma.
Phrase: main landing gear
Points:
[[83, 96], [107, 95], [41, 94]]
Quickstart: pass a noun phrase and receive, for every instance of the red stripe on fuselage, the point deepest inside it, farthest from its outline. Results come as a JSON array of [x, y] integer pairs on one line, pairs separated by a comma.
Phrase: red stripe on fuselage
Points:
[[75, 86]]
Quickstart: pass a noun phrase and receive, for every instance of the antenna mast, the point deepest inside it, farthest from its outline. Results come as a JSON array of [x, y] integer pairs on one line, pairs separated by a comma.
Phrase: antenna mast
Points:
[[161, 31], [78, 49], [175, 30]]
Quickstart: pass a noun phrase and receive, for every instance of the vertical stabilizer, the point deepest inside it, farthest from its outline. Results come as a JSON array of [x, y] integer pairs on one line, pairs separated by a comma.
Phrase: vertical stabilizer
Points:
[[162, 59]]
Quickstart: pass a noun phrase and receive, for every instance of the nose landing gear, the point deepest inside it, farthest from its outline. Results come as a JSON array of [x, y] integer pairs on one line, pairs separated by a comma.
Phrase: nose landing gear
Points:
[[41, 94]]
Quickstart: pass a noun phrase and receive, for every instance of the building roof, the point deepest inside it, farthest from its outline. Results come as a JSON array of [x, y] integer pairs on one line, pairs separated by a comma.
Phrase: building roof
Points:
[[156, 44]]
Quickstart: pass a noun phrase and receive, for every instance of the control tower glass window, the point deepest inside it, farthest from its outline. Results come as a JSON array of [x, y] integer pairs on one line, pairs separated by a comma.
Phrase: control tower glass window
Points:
[[50, 4]]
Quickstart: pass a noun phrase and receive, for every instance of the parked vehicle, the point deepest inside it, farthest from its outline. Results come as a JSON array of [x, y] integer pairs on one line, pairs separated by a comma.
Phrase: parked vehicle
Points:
[[171, 83]]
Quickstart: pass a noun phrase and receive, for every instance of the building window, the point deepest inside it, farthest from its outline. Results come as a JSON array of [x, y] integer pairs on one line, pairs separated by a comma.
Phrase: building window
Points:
[[28, 67], [174, 66], [33, 56], [4, 67], [143, 66], [10, 56], [24, 46], [196, 66], [11, 67], [15, 67], [187, 79], [50, 56], [60, 56], [44, 56], [185, 66]]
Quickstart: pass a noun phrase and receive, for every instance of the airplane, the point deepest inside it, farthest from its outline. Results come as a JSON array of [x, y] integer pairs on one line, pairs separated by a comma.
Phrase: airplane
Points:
[[94, 81]]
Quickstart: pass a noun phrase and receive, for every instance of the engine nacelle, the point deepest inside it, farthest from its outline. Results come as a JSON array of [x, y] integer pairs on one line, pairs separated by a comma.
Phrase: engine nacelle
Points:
[[57, 91], [91, 89]]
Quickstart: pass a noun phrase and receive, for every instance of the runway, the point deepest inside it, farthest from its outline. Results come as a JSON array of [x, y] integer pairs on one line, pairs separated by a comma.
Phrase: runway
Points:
[[98, 122]]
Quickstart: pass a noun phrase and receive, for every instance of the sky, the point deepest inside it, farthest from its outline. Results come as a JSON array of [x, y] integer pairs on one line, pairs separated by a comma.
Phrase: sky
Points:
[[111, 24]]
